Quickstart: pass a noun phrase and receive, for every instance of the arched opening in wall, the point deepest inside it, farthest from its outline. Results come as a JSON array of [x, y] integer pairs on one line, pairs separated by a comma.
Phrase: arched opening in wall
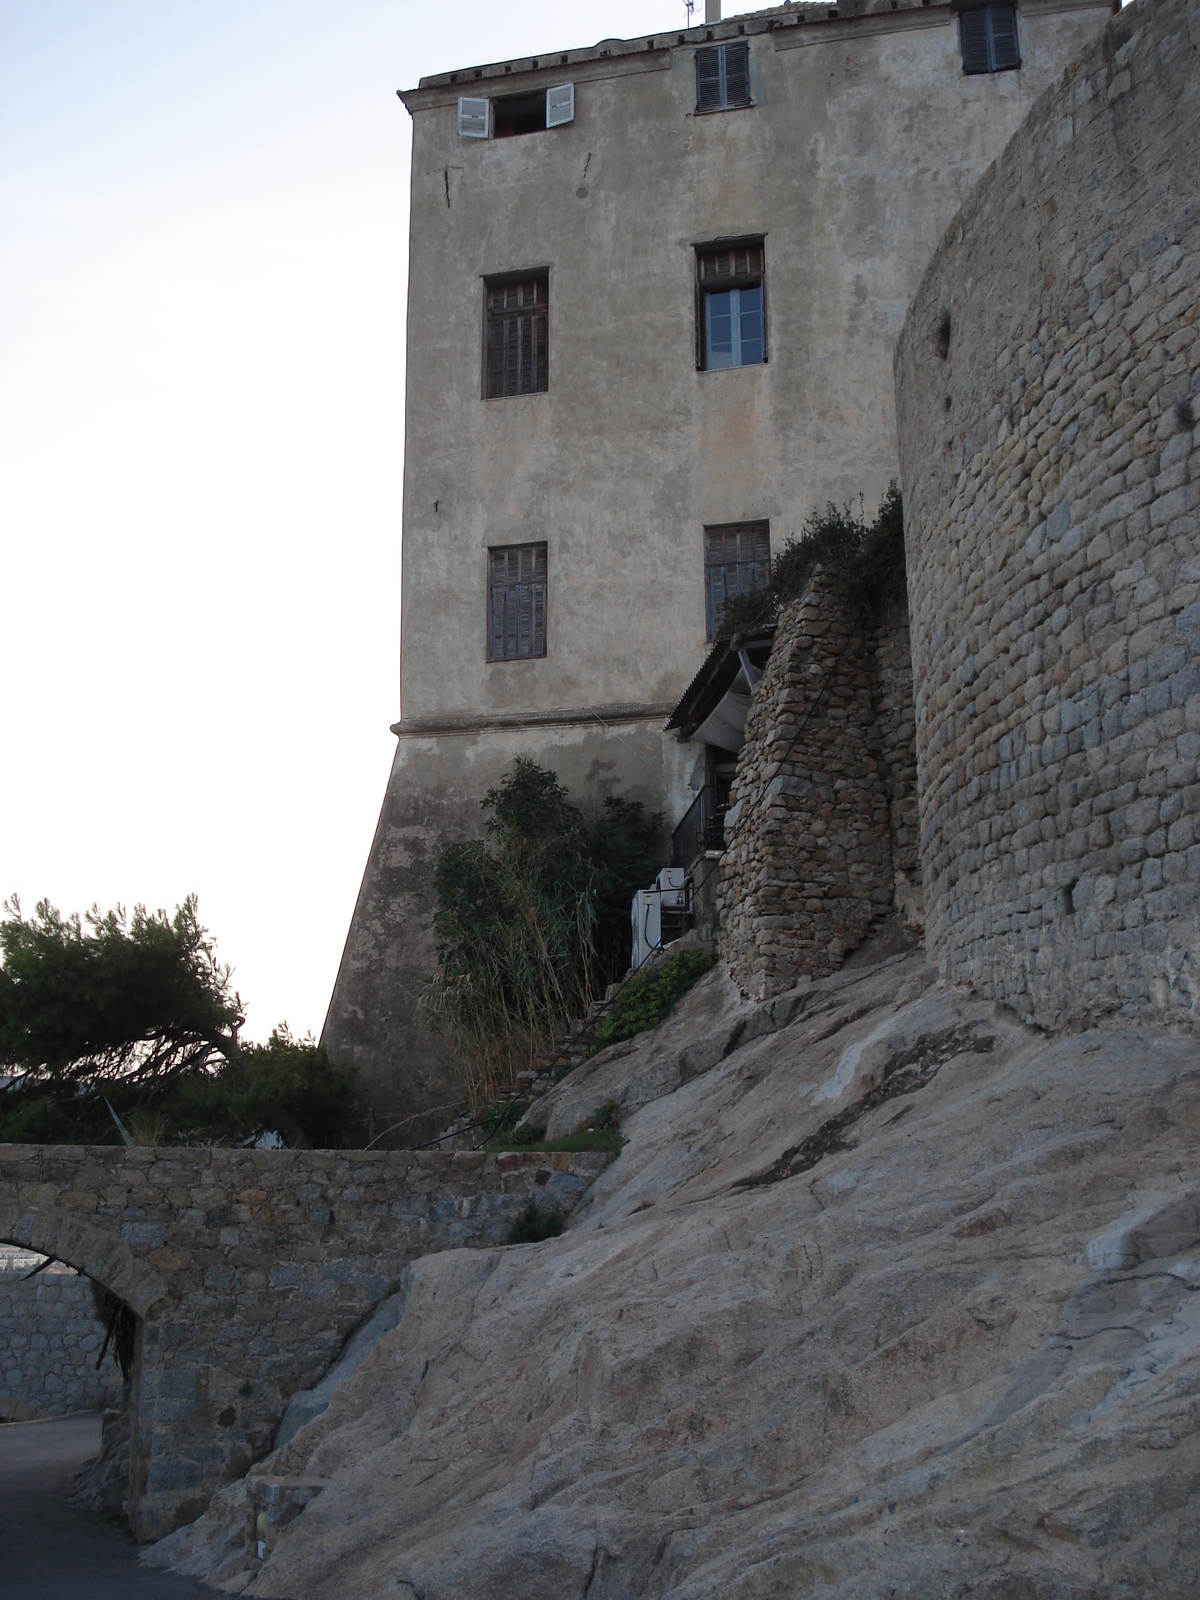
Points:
[[68, 1349]]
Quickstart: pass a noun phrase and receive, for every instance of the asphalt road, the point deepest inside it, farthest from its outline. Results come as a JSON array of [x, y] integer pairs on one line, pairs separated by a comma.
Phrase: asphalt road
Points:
[[49, 1550]]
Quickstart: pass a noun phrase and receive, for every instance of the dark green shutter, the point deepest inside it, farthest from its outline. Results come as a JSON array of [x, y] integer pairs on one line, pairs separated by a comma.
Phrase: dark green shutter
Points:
[[973, 31], [737, 74], [708, 79], [1005, 50]]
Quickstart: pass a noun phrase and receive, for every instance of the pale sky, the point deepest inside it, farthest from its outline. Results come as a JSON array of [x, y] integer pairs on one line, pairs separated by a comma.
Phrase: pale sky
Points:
[[203, 258]]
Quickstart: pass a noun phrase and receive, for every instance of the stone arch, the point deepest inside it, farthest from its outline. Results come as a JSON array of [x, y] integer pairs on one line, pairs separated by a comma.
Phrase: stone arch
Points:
[[103, 1256]]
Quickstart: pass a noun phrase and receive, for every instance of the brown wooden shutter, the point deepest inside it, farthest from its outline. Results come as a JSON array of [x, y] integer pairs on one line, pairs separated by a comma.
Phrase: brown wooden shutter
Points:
[[517, 602], [737, 560], [517, 338], [728, 268]]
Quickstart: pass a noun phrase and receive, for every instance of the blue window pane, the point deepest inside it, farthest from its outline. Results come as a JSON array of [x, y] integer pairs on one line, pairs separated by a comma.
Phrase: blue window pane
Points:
[[751, 353], [720, 330]]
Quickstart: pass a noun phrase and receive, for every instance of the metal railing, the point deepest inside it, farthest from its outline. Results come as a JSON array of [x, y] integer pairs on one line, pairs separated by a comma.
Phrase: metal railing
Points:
[[703, 824]]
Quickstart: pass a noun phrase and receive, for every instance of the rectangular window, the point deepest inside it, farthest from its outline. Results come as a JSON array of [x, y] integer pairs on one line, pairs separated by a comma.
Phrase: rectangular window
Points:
[[722, 77], [517, 602], [731, 308], [518, 113], [989, 39], [737, 560], [518, 352]]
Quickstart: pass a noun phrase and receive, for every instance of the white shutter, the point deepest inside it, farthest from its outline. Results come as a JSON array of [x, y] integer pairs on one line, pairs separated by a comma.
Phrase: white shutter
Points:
[[473, 118], [560, 105]]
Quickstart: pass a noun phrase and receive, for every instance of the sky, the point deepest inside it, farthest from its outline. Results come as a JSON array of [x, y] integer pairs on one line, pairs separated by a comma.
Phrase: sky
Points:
[[203, 260]]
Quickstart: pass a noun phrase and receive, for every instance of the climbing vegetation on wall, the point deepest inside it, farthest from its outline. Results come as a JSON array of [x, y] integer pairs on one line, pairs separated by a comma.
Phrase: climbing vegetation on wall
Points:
[[864, 559], [532, 920]]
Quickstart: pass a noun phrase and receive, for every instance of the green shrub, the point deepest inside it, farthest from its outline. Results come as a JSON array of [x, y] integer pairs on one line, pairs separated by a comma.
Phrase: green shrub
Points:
[[649, 996], [865, 561], [287, 1084], [536, 1223], [532, 920], [498, 1121], [137, 1013]]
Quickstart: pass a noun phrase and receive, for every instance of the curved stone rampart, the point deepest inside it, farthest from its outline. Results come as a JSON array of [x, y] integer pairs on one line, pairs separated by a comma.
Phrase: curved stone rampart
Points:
[[1047, 381]]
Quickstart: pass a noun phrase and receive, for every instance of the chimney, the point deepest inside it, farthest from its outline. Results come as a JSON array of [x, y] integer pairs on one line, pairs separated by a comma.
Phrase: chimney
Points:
[[712, 10]]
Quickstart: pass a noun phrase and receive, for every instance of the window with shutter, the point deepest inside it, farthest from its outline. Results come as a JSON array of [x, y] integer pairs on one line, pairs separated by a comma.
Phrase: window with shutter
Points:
[[560, 105], [518, 351], [1002, 23], [518, 113], [473, 117], [737, 560], [988, 35], [722, 76], [517, 602], [731, 305]]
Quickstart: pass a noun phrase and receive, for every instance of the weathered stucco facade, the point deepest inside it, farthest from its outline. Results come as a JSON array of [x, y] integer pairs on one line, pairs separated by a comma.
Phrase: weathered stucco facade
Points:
[[1051, 476], [862, 137]]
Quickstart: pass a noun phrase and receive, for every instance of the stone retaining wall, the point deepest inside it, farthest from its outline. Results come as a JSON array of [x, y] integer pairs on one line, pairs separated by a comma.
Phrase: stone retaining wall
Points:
[[822, 828], [49, 1341], [248, 1269], [1047, 383]]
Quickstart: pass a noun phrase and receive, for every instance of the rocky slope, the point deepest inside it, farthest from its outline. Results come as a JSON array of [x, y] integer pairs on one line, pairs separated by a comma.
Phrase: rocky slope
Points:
[[888, 1294]]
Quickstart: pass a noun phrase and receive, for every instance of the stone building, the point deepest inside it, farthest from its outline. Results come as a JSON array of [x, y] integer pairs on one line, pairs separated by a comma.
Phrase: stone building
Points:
[[1051, 475], [654, 290]]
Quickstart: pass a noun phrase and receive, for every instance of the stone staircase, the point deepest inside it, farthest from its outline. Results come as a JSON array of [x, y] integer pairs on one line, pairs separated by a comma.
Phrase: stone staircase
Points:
[[544, 1071]]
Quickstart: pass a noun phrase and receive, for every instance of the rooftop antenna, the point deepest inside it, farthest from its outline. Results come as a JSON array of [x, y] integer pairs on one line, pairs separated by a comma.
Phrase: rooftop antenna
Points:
[[689, 6]]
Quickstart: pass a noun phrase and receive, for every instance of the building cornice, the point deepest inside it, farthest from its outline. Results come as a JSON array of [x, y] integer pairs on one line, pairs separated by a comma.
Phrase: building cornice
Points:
[[464, 723], [650, 53], [793, 27]]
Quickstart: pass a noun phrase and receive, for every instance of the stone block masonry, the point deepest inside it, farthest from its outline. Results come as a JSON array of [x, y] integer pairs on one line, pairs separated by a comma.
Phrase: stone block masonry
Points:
[[820, 839], [1047, 387], [49, 1342], [248, 1269]]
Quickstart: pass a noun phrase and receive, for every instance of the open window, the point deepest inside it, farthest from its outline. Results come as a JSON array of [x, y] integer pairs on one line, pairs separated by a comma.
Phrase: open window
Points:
[[514, 114], [510, 115]]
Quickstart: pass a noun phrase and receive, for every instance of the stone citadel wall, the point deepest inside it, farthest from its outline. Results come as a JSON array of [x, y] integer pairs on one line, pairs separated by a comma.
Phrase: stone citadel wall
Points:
[[1047, 384], [248, 1269], [49, 1342], [821, 837]]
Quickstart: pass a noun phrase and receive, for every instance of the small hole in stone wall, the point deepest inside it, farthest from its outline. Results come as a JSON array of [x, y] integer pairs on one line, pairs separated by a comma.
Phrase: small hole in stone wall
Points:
[[946, 403], [1185, 412], [941, 337], [1068, 900]]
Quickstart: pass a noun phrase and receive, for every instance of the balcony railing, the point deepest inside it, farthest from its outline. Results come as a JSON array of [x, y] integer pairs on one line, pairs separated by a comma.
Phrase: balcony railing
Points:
[[703, 825]]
